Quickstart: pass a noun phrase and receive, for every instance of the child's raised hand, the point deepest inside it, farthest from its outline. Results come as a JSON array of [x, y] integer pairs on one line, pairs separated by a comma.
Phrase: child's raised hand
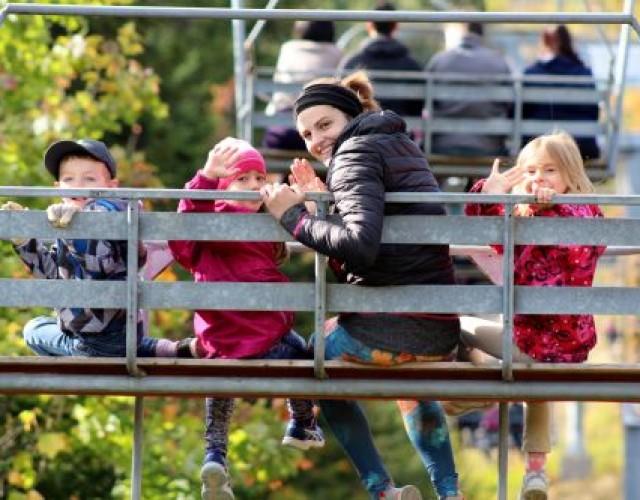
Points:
[[219, 161], [501, 183], [60, 214], [304, 176]]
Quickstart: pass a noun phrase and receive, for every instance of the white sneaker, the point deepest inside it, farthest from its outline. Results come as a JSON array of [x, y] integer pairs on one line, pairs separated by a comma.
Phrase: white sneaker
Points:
[[404, 493], [534, 485], [216, 484]]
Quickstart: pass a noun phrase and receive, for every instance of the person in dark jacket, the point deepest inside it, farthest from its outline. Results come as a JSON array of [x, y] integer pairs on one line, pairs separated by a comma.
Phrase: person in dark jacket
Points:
[[368, 153], [382, 52], [559, 58]]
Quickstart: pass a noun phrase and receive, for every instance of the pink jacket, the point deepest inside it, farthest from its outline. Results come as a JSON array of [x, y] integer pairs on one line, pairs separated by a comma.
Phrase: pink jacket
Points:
[[558, 338], [231, 334]]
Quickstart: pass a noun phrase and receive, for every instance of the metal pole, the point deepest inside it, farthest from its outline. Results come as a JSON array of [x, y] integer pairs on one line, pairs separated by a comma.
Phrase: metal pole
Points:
[[503, 450], [507, 343], [239, 65], [136, 462], [133, 227], [320, 303], [631, 420], [619, 84]]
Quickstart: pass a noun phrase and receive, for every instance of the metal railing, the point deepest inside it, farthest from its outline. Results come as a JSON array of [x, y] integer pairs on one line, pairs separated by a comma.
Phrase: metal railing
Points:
[[320, 297]]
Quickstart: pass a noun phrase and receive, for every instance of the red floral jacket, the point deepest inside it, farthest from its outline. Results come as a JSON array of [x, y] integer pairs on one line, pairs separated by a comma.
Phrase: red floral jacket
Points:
[[555, 338]]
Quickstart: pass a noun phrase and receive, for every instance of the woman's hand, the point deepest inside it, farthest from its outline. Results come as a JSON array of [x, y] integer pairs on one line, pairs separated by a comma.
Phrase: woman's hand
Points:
[[501, 183], [304, 176], [278, 198], [219, 160]]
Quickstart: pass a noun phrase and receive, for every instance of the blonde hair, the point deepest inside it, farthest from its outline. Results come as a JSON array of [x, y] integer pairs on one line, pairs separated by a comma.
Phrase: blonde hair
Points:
[[359, 83], [562, 148]]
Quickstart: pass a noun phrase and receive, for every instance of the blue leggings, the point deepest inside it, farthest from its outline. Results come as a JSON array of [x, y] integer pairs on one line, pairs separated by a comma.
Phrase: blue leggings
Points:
[[424, 422]]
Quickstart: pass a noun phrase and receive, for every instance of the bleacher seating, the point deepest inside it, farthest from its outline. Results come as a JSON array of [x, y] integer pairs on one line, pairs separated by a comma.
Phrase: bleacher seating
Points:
[[432, 87]]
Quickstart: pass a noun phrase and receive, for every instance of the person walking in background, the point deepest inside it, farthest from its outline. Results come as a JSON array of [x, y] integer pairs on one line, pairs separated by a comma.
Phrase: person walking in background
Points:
[[468, 56], [311, 53], [546, 166], [234, 165], [559, 58], [369, 153], [382, 51], [78, 331]]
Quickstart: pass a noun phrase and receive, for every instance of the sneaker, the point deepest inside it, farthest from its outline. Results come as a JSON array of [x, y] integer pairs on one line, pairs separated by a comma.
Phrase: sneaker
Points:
[[404, 493], [189, 348], [216, 484], [458, 408], [303, 438], [534, 485]]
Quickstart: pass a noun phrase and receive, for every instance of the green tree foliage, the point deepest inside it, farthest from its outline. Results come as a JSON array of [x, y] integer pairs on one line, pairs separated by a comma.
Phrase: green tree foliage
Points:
[[58, 80]]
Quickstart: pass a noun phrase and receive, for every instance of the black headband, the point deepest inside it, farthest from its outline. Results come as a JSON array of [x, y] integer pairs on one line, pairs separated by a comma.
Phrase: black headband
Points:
[[329, 94]]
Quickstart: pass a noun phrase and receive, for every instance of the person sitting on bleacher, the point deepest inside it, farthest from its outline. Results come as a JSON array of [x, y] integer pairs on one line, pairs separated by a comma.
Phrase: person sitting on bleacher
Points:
[[468, 56], [382, 51], [234, 165], [546, 166], [311, 53], [77, 331], [368, 154], [559, 58]]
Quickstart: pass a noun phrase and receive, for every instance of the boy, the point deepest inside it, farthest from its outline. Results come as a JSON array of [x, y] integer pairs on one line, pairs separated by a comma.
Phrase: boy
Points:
[[80, 331]]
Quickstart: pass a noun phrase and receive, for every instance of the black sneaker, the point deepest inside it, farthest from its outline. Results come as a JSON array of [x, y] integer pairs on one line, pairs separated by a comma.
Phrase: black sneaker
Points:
[[186, 348], [303, 437]]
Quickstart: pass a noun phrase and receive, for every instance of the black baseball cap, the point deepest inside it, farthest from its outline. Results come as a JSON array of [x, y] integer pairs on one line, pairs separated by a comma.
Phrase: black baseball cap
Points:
[[96, 149]]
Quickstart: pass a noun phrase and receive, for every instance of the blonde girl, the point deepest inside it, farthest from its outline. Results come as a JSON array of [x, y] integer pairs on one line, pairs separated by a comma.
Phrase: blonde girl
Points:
[[548, 165]]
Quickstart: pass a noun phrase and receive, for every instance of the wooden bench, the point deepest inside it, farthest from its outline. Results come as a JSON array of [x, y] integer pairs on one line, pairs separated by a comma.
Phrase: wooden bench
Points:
[[432, 87]]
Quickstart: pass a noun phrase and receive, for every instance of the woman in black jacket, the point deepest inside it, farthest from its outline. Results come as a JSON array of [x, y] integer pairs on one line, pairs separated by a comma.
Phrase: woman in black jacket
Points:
[[368, 153]]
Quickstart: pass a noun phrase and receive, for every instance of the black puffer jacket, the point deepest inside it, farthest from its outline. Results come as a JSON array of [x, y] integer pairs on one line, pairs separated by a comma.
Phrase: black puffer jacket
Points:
[[374, 156]]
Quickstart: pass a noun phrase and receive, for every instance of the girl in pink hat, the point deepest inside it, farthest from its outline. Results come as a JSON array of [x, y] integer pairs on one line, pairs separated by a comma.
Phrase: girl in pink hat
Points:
[[234, 165]]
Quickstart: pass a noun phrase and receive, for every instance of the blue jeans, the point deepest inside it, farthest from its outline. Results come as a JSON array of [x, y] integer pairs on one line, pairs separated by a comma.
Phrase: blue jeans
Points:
[[44, 337], [424, 421]]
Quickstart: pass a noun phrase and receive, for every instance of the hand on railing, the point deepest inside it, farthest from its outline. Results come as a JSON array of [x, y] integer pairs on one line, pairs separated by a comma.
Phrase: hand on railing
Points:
[[60, 214], [12, 205]]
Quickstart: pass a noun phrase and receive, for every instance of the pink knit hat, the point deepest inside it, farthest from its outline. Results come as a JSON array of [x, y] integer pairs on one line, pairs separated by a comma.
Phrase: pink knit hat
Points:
[[249, 159]]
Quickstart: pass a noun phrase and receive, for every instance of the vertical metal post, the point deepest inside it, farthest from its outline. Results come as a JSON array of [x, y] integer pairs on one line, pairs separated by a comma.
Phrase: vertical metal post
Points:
[[508, 292], [619, 84], [138, 435], [427, 119], [507, 344], [239, 66], [503, 449], [631, 421], [3, 15], [518, 95], [320, 308], [133, 221]]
